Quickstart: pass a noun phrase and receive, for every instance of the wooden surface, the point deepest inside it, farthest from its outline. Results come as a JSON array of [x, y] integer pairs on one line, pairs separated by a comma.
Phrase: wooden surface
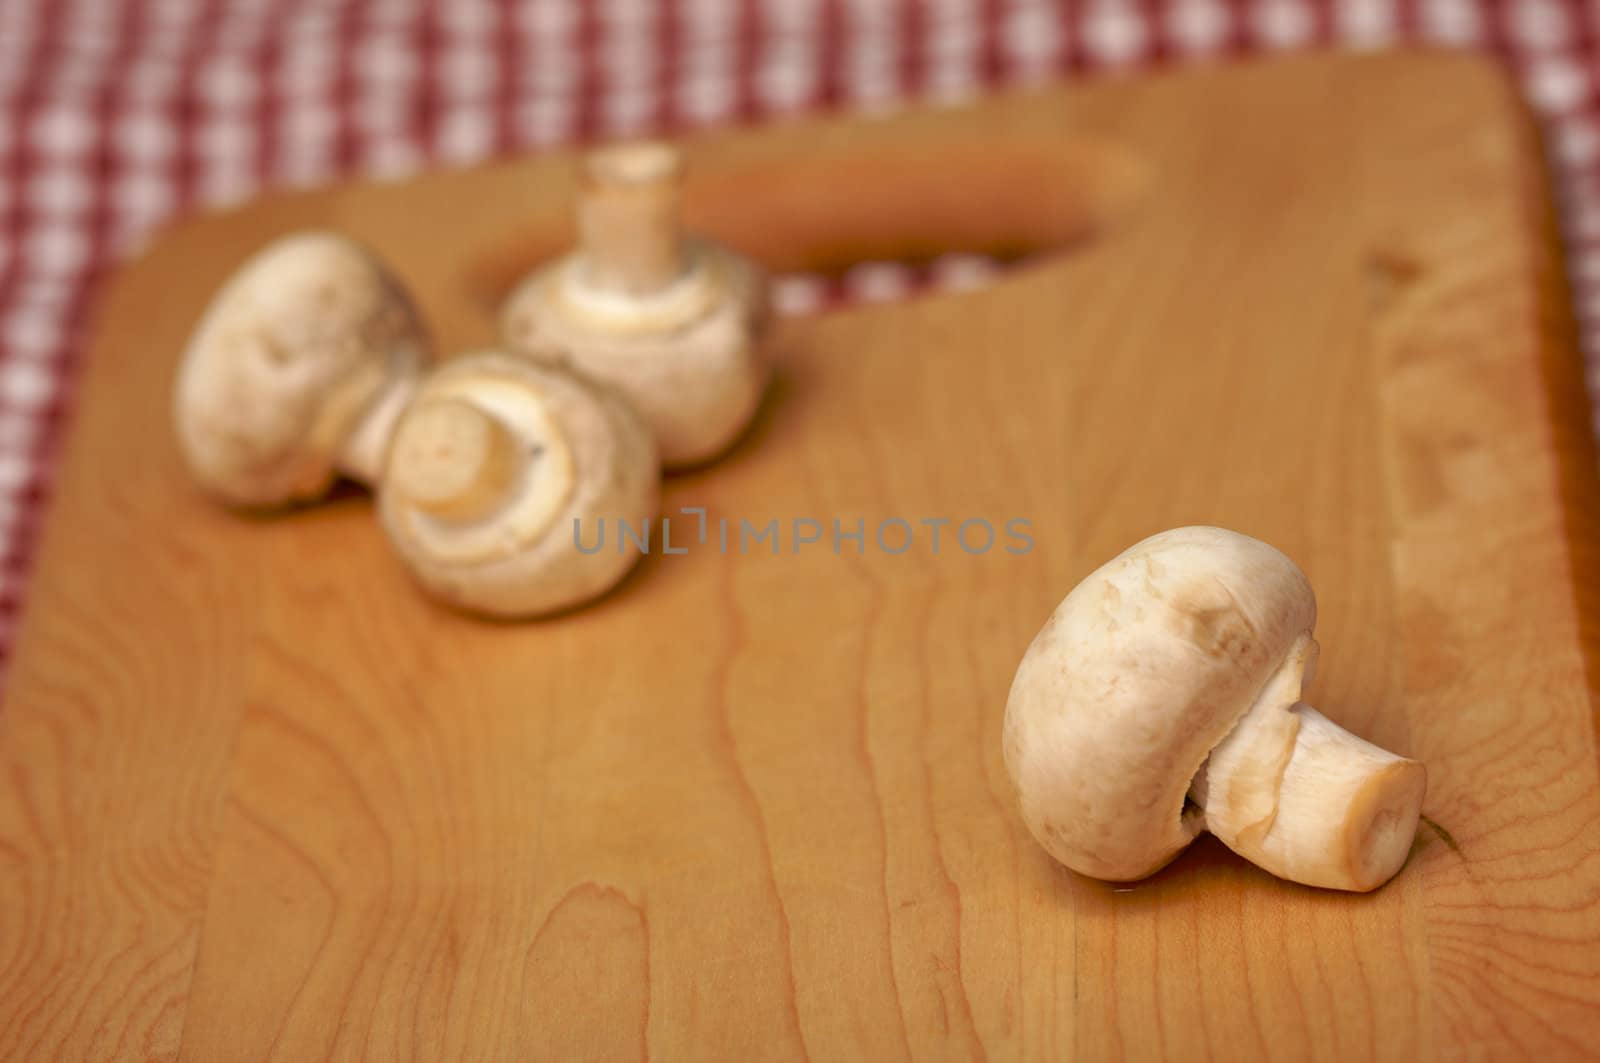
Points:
[[259, 799]]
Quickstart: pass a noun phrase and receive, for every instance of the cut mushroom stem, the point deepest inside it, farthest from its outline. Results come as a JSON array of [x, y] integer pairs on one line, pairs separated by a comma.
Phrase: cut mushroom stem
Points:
[[629, 235], [457, 462], [362, 454], [1296, 794]]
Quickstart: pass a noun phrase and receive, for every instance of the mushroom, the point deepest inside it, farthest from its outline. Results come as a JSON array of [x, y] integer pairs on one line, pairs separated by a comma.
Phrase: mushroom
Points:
[[296, 372], [499, 468], [1162, 698], [673, 323]]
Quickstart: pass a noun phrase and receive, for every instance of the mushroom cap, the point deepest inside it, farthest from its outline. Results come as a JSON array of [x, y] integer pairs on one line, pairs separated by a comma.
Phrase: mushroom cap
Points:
[[1137, 675], [288, 357], [689, 359], [497, 466]]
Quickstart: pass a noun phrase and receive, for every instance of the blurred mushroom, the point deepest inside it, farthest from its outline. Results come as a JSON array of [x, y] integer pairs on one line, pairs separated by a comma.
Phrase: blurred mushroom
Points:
[[297, 371], [1162, 698], [673, 323], [497, 469]]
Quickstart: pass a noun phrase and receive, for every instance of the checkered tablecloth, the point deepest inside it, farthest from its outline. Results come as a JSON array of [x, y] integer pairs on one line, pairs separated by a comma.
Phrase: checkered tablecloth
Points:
[[117, 115]]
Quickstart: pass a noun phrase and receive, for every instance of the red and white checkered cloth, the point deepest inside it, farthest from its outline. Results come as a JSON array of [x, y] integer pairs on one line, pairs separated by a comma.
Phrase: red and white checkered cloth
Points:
[[116, 115]]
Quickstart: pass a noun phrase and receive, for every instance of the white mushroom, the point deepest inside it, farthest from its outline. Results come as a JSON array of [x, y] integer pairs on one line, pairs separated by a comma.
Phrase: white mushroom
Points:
[[500, 467], [297, 371], [673, 323], [1174, 672]]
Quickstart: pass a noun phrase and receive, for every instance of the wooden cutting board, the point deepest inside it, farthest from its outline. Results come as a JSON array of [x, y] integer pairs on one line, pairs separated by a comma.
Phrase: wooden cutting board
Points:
[[260, 799]]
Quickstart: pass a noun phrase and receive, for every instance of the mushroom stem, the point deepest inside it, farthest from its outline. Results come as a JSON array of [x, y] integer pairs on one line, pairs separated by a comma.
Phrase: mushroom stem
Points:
[[455, 461], [1296, 794], [362, 454], [628, 227]]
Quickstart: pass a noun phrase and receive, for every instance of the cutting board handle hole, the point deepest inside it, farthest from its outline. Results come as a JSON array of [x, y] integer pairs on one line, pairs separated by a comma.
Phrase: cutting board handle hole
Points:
[[865, 220]]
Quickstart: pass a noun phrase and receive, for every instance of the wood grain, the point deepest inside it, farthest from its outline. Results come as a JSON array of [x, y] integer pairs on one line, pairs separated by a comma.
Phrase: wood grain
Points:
[[261, 800]]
